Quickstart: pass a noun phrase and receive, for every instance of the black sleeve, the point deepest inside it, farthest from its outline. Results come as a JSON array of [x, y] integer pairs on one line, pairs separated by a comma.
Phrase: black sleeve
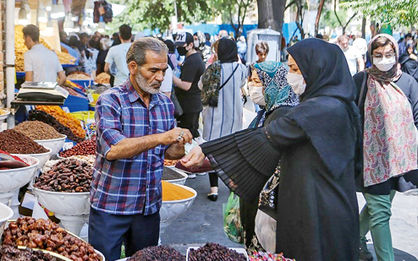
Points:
[[189, 70], [410, 87], [244, 160], [358, 80]]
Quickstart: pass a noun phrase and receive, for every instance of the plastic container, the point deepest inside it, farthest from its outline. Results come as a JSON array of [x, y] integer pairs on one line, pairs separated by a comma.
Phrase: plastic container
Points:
[[42, 157], [6, 213], [13, 179], [54, 144]]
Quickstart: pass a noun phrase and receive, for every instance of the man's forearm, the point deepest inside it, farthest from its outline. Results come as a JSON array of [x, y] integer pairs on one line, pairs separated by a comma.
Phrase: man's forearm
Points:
[[130, 147], [181, 84]]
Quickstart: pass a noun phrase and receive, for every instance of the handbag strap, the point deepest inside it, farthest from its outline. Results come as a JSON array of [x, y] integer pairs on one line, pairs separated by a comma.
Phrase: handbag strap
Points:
[[227, 80]]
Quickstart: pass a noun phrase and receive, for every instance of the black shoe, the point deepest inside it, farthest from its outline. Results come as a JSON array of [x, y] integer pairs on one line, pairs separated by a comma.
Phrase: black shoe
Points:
[[364, 253], [213, 196]]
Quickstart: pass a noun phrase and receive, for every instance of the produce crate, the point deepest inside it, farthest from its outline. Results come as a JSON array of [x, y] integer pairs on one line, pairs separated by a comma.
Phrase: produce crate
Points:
[[83, 83]]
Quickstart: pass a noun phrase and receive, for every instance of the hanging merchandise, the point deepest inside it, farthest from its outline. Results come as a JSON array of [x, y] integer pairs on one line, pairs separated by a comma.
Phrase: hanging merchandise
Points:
[[102, 12]]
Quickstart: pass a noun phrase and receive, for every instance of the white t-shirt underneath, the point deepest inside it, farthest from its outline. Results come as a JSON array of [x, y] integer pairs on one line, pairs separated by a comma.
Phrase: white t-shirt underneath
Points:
[[167, 84], [43, 62], [351, 55]]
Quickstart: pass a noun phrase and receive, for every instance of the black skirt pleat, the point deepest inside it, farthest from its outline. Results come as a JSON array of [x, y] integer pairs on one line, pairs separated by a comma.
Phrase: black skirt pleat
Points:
[[244, 161]]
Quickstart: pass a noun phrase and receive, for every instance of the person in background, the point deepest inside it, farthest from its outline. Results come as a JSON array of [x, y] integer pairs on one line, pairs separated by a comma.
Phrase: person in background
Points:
[[226, 117], [117, 54], [115, 39], [187, 91], [388, 103], [41, 64], [403, 44], [352, 55], [207, 36], [410, 51], [201, 47], [92, 51], [242, 49], [135, 132], [254, 84], [104, 45]]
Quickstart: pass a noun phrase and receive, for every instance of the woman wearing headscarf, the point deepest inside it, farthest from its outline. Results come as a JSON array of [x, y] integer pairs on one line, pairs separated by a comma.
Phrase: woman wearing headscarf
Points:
[[279, 98], [388, 103], [315, 143], [226, 77]]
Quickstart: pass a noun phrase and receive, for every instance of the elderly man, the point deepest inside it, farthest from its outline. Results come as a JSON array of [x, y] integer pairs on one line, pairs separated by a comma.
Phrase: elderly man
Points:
[[352, 55], [136, 129]]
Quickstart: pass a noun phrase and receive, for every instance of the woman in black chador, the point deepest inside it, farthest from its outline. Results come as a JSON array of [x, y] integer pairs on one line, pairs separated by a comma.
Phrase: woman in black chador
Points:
[[316, 143]]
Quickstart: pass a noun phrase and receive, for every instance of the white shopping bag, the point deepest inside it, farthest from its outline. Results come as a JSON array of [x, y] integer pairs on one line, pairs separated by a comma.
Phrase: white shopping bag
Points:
[[247, 117]]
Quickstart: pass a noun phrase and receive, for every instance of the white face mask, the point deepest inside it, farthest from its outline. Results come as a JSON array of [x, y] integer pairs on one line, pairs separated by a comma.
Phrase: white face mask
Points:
[[196, 44], [384, 64], [297, 83]]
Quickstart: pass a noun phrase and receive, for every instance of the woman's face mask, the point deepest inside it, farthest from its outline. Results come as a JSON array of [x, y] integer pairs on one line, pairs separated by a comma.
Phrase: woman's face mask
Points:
[[196, 43], [297, 83], [384, 64]]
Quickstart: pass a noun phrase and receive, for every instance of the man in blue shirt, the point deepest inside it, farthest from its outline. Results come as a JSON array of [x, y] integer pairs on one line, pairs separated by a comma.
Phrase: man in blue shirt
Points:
[[136, 129]]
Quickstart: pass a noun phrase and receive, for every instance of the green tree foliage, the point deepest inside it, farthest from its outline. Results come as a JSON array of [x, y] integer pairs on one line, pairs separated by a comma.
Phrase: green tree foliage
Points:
[[394, 12], [157, 13]]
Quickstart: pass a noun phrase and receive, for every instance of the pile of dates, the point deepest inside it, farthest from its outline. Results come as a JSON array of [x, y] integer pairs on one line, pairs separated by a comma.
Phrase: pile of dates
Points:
[[45, 234], [157, 253], [67, 175], [10, 253], [213, 251]]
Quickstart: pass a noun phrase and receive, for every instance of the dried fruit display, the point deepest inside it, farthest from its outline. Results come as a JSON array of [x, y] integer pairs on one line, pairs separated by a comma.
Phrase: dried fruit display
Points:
[[68, 175], [65, 119], [157, 253], [213, 251], [45, 234]]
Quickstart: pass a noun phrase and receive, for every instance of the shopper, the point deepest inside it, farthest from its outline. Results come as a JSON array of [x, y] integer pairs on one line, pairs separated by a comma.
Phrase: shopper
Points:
[[388, 102], [41, 64], [353, 56], [278, 98], [317, 206], [187, 91], [225, 117], [117, 54], [135, 132]]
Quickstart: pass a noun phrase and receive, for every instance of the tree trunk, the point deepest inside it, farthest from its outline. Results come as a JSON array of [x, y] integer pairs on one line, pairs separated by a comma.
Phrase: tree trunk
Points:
[[271, 14], [318, 15], [363, 27]]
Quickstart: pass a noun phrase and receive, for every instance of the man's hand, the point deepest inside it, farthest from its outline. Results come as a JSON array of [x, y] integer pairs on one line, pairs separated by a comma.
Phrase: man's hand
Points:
[[177, 135], [194, 158]]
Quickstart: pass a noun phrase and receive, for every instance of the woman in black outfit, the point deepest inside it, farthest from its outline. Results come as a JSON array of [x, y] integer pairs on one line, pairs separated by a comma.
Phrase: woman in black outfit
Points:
[[315, 143]]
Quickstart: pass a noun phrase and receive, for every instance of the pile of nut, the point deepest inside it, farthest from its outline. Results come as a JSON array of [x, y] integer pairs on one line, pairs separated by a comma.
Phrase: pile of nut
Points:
[[213, 251], [37, 130], [87, 147], [45, 234], [157, 253], [68, 175], [10, 253]]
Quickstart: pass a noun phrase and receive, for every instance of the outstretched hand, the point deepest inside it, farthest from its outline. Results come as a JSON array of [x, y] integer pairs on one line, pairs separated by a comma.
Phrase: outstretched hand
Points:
[[194, 158]]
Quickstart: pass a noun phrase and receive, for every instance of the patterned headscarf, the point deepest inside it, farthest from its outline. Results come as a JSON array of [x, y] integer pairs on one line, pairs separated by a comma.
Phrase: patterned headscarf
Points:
[[393, 74], [277, 92]]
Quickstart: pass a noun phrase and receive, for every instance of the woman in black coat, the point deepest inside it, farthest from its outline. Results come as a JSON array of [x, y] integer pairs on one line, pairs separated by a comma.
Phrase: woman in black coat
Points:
[[315, 143]]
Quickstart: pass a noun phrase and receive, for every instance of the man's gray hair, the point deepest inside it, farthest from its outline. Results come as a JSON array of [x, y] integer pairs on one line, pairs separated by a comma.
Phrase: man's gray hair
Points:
[[138, 48]]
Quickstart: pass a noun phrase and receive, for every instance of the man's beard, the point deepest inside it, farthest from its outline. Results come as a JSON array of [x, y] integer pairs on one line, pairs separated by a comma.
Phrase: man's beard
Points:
[[148, 88]]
